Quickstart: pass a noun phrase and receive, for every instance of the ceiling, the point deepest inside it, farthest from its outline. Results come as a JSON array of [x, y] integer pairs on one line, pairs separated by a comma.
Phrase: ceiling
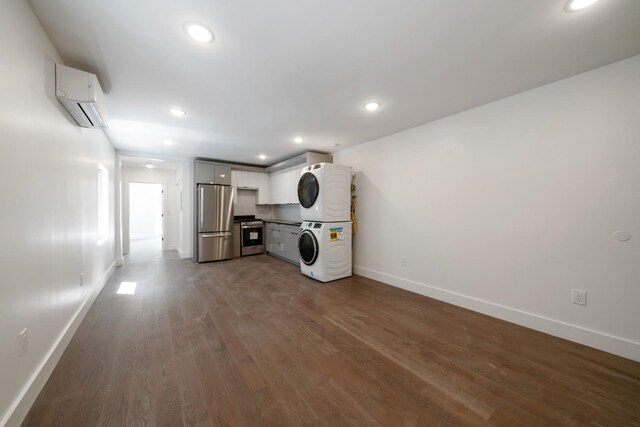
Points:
[[283, 68], [143, 162]]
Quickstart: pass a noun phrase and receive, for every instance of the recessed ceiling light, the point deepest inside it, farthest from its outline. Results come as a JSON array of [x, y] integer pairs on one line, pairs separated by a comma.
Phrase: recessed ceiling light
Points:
[[178, 112], [574, 5], [298, 140], [198, 32], [372, 106], [168, 142], [149, 166], [262, 157]]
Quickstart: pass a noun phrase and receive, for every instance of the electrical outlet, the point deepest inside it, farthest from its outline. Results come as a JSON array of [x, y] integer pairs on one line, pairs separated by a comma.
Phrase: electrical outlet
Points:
[[23, 339], [579, 297], [81, 279], [403, 261]]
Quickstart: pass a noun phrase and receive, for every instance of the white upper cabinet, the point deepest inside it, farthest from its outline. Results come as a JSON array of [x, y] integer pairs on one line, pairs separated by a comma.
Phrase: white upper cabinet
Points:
[[278, 183], [264, 189], [294, 178], [277, 188], [253, 180], [284, 185], [249, 180], [237, 178]]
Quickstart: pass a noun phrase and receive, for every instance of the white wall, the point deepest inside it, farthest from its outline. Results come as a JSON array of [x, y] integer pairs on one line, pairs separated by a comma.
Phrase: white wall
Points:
[[171, 208], [245, 204], [290, 212], [48, 212], [507, 207]]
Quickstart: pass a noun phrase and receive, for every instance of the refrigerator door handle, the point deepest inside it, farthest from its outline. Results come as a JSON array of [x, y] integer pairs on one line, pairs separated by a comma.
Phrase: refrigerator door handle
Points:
[[225, 234], [201, 216]]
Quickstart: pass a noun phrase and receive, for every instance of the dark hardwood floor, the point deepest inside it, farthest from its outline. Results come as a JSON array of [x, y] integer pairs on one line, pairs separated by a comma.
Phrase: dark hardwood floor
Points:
[[253, 342]]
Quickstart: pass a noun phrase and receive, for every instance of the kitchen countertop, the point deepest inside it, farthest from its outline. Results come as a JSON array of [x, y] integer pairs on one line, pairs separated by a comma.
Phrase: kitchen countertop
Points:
[[283, 221]]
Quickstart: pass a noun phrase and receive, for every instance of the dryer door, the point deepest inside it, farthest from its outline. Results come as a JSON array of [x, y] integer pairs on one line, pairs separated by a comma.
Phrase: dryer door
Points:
[[308, 247], [308, 190]]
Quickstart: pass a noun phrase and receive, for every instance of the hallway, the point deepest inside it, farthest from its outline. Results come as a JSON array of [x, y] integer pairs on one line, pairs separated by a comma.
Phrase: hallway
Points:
[[147, 250]]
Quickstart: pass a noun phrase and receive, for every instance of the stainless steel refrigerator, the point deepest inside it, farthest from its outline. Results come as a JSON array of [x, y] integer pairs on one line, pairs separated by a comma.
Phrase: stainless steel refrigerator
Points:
[[215, 222]]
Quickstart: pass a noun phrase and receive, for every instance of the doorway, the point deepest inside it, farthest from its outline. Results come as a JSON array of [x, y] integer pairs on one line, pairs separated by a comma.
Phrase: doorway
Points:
[[146, 221]]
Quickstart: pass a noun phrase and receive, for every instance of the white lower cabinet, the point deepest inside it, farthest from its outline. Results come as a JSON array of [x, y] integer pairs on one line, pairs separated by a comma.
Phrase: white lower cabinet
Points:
[[282, 241], [291, 244], [275, 239]]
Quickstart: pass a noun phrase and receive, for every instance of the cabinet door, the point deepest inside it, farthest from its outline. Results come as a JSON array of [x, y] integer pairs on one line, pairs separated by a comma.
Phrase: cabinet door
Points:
[[272, 189], [282, 188], [278, 240], [234, 178], [205, 173], [294, 177], [278, 187], [253, 180], [223, 174], [234, 185], [289, 188], [291, 245], [269, 241], [242, 179], [264, 189]]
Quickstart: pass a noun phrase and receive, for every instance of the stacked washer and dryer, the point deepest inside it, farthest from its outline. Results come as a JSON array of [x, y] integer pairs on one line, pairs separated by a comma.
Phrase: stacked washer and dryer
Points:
[[324, 243]]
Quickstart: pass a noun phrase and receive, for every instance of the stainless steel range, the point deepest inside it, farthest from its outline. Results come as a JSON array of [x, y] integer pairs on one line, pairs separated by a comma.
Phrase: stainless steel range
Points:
[[251, 237]]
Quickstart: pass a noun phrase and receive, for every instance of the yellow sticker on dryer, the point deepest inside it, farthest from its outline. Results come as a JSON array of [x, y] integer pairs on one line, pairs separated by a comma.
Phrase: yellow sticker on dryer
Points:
[[336, 233]]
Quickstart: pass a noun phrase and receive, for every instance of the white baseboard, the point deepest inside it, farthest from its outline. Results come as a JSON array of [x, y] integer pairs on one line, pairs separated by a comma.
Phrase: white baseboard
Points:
[[609, 343], [170, 247], [21, 406], [184, 254]]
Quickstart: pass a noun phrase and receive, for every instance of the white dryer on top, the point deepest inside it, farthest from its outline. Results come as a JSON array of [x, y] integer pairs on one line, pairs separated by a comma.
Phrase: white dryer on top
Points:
[[324, 193], [325, 250]]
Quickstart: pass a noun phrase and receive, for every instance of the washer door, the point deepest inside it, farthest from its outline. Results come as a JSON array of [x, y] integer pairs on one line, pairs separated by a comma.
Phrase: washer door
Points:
[[308, 247], [308, 190]]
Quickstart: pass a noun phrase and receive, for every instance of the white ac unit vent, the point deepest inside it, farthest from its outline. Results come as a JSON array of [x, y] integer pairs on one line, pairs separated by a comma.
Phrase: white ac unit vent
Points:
[[82, 96]]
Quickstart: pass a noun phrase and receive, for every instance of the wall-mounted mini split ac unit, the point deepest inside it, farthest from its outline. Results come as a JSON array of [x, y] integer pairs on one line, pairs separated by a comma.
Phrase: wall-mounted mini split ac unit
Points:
[[82, 96]]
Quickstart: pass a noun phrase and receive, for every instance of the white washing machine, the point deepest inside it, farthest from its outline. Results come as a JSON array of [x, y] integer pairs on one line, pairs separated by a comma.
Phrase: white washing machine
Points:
[[325, 250], [324, 193]]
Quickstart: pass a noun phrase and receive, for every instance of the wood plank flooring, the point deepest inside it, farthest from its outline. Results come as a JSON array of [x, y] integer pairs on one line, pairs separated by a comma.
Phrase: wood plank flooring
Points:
[[253, 342]]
